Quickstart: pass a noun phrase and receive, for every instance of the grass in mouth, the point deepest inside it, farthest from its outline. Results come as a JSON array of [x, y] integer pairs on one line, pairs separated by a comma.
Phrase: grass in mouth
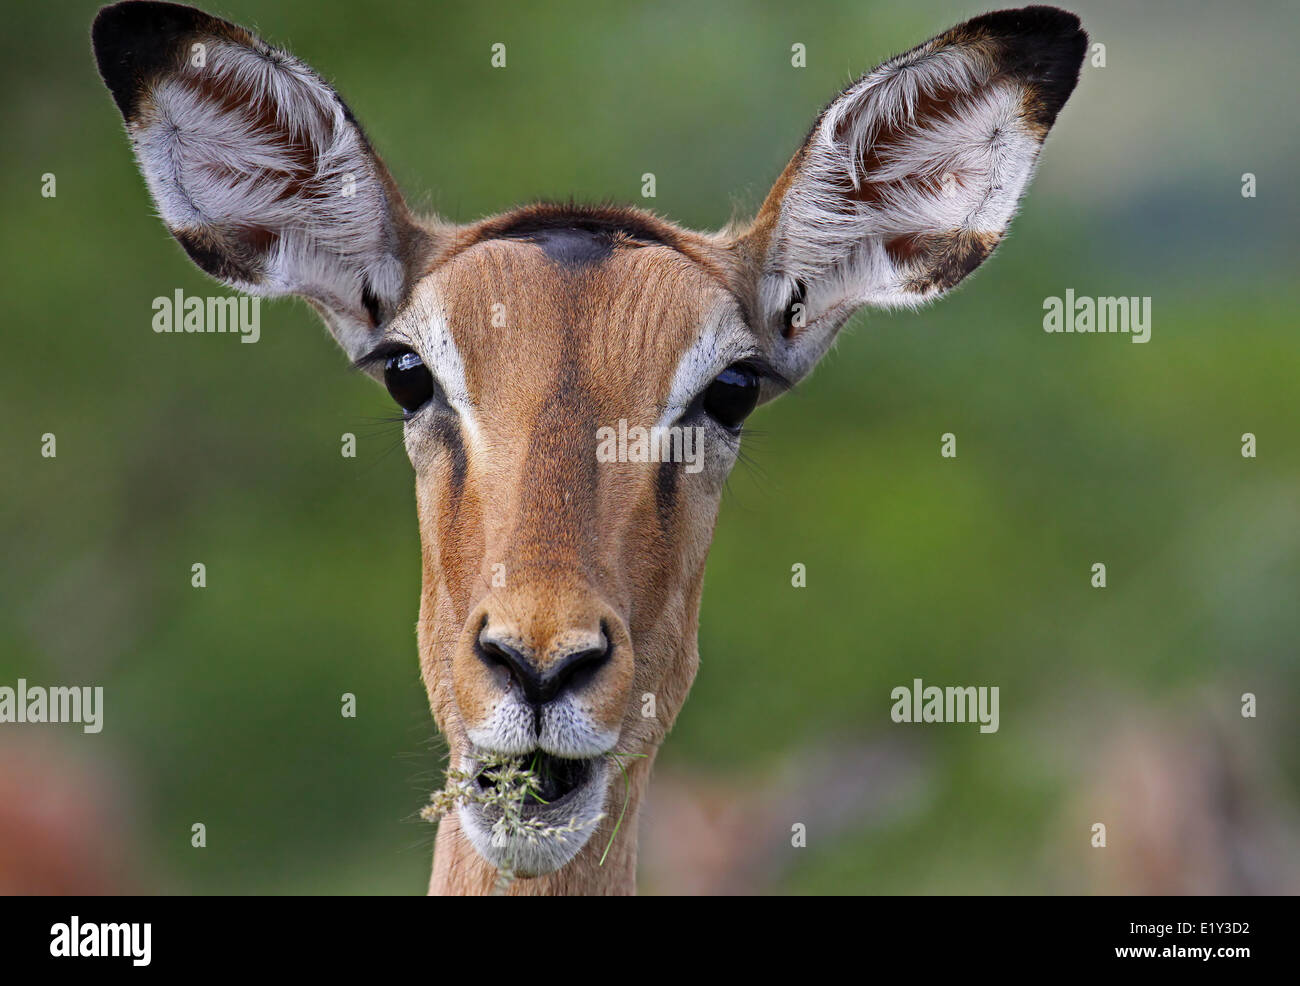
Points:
[[513, 785], [627, 797]]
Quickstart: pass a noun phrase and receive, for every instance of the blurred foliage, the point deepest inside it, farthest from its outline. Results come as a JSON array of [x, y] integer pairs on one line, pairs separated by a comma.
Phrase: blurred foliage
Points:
[[223, 704]]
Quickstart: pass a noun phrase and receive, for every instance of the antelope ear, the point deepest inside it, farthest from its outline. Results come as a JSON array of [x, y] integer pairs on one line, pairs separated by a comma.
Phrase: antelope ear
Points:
[[257, 167], [909, 179]]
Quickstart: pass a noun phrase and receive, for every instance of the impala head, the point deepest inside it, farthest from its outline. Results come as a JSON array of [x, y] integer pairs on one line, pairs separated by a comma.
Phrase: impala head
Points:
[[562, 570]]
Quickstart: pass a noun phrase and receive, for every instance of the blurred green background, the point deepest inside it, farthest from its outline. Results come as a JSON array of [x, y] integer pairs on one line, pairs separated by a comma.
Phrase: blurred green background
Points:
[[1118, 705]]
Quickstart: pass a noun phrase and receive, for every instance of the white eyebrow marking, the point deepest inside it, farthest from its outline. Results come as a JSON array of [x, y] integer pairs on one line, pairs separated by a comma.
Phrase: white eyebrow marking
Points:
[[723, 340], [425, 323]]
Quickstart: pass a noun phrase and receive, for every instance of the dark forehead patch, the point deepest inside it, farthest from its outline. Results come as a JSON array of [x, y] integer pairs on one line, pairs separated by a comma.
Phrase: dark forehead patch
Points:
[[579, 235], [570, 246], [608, 220]]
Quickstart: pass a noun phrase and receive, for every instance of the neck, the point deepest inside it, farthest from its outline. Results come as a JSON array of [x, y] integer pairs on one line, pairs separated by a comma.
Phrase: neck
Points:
[[460, 871]]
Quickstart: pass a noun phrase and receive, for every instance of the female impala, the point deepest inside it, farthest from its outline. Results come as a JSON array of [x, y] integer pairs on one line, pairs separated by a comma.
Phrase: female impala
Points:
[[561, 589]]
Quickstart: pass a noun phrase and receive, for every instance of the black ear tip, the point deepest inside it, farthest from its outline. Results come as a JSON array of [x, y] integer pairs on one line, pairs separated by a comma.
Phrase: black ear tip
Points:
[[1043, 47], [1064, 21], [1047, 27], [113, 37], [1064, 26], [110, 29], [119, 25], [1040, 20], [135, 39]]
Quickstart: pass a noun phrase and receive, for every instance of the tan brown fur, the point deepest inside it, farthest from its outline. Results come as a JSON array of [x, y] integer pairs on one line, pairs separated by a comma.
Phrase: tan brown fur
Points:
[[579, 542]]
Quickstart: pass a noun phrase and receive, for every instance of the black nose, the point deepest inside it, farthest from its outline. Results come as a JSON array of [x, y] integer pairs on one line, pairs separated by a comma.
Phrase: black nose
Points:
[[567, 672]]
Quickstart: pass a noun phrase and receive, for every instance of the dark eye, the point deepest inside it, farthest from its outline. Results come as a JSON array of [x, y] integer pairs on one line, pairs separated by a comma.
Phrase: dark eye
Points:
[[730, 398], [408, 380]]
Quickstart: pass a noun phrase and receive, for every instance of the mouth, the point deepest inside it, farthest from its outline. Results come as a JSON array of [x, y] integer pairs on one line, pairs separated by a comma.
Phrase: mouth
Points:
[[532, 813], [548, 781]]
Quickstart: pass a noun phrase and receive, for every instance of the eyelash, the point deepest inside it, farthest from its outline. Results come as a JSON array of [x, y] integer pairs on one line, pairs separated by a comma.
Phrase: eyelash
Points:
[[381, 354]]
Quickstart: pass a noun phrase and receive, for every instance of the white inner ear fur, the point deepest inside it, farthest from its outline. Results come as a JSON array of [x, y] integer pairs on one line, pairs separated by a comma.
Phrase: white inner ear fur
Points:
[[209, 166], [942, 174]]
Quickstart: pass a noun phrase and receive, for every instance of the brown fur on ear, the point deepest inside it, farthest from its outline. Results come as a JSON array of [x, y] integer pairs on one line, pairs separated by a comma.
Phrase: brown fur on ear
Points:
[[909, 179], [938, 261], [257, 167], [1040, 47]]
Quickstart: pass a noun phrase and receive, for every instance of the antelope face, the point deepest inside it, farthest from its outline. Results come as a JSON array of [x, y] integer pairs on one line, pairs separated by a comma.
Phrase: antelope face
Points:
[[575, 380], [575, 384]]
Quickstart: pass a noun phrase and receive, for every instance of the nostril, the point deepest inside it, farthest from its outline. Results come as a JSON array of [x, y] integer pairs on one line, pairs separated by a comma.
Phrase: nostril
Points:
[[507, 663], [576, 670]]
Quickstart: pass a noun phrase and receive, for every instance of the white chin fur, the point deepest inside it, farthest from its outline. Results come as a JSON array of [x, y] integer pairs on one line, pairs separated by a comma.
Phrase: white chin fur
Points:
[[527, 855]]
